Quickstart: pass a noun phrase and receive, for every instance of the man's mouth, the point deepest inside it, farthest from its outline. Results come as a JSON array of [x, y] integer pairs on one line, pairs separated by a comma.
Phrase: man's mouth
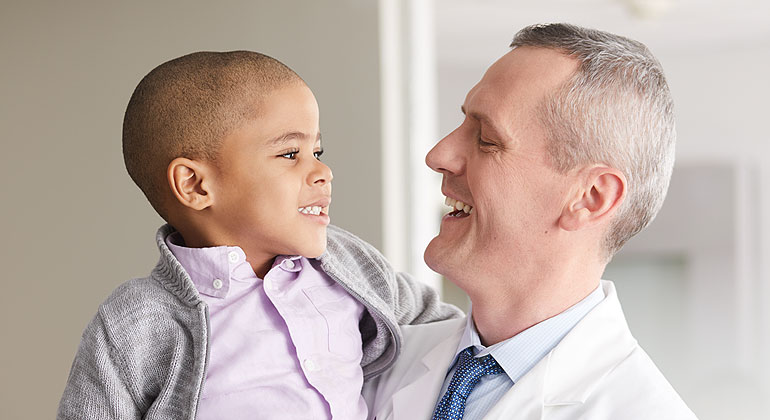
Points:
[[460, 209]]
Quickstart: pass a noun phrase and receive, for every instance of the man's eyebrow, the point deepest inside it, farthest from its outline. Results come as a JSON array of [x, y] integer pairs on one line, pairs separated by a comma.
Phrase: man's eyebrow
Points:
[[286, 137], [485, 121]]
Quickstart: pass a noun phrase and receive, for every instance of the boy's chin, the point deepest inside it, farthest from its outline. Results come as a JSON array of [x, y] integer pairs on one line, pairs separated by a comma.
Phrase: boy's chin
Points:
[[313, 252], [315, 247]]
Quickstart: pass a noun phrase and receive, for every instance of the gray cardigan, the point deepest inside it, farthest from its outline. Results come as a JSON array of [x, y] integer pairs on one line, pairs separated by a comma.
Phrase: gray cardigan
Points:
[[144, 355]]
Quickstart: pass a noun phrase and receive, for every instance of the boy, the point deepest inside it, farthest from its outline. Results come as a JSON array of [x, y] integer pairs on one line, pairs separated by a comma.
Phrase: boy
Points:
[[251, 312]]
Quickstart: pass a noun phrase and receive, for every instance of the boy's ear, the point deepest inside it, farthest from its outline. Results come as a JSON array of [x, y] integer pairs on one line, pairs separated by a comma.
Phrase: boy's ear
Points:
[[602, 192], [189, 181]]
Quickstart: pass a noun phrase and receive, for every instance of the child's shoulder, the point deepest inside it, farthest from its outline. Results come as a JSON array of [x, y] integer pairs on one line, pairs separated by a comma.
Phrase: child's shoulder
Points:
[[143, 333], [135, 291], [141, 302]]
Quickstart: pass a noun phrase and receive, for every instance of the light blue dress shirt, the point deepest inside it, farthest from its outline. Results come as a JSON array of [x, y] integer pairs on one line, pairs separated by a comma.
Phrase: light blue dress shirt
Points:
[[516, 355]]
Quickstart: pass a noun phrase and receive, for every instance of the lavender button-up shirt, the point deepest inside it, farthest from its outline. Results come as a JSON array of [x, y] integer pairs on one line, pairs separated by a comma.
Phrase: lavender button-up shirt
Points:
[[287, 347]]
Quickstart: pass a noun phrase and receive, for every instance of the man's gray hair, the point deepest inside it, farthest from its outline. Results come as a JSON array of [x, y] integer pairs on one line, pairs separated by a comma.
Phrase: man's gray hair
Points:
[[615, 110]]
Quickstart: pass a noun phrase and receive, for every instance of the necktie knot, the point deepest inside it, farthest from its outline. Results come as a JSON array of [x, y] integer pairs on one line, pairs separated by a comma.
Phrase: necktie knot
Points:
[[468, 373]]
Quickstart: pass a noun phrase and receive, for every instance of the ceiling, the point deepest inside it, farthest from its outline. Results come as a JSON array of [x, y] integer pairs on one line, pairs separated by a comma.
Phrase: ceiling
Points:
[[480, 30]]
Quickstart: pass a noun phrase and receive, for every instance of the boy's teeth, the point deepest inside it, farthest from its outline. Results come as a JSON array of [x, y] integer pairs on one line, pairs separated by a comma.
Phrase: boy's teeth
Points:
[[458, 205], [314, 210]]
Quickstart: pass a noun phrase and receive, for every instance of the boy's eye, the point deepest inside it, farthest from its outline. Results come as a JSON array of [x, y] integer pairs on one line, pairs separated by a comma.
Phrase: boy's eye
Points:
[[291, 154], [318, 154]]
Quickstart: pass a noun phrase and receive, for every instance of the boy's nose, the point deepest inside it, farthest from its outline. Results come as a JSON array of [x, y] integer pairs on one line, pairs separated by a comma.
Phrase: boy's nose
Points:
[[321, 174]]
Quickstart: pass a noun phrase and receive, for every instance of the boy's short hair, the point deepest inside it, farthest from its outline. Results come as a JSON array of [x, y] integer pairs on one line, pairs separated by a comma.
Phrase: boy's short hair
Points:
[[186, 106]]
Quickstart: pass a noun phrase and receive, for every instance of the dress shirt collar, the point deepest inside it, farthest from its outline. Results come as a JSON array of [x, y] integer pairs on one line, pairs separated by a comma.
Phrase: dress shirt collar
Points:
[[518, 354], [212, 269]]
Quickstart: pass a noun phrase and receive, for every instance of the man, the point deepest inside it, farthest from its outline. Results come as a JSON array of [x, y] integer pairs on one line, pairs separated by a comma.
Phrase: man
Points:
[[565, 153]]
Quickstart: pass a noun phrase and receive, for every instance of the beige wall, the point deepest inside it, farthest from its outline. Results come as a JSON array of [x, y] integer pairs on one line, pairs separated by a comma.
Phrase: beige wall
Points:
[[73, 224]]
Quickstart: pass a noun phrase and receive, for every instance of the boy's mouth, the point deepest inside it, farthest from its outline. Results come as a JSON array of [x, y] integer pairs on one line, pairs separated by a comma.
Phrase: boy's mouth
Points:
[[314, 210], [317, 208]]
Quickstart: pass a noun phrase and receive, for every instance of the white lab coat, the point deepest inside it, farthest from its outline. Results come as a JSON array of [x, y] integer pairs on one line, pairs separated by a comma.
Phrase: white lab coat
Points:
[[597, 372]]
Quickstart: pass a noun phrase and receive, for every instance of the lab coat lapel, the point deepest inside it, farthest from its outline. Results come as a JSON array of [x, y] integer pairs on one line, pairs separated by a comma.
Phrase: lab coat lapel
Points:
[[525, 399], [597, 344], [418, 399], [423, 381], [571, 371]]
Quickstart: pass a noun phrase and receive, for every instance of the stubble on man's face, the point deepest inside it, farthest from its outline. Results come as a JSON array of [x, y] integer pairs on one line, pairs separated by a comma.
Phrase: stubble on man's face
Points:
[[498, 162]]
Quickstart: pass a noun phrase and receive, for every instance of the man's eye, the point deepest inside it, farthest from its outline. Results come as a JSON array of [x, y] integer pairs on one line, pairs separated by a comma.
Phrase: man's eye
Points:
[[318, 154], [292, 154], [483, 143]]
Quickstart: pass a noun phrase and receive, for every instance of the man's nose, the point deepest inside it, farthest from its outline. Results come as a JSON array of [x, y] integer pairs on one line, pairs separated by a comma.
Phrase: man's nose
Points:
[[445, 156]]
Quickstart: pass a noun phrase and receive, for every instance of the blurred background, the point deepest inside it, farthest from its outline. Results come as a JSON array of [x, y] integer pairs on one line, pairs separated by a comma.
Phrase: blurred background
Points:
[[389, 77]]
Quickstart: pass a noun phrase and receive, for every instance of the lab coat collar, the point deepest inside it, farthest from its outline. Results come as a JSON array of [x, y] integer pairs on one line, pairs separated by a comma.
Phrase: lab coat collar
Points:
[[571, 371], [591, 350]]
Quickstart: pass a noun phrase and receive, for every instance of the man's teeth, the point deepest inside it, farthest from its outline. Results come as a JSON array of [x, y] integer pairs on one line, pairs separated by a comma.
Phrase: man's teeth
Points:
[[314, 210], [458, 205]]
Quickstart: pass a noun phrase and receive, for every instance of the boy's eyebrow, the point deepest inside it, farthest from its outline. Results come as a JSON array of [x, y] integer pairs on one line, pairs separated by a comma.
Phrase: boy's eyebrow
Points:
[[284, 138]]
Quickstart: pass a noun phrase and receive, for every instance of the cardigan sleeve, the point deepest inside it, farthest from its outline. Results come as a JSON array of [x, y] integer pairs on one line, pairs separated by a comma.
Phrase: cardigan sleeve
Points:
[[96, 388], [418, 303], [400, 297]]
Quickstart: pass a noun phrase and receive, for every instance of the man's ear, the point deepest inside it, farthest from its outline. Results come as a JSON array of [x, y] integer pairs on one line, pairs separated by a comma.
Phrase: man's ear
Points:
[[189, 181], [596, 200]]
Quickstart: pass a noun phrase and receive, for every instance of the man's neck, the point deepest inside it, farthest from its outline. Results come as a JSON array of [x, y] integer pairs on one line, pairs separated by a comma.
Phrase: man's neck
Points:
[[502, 315]]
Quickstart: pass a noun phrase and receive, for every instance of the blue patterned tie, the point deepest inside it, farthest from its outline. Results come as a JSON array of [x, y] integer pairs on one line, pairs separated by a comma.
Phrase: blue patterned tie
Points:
[[468, 373]]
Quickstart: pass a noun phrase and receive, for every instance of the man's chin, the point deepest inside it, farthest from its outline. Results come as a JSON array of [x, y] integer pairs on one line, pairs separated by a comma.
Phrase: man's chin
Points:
[[435, 255], [448, 256]]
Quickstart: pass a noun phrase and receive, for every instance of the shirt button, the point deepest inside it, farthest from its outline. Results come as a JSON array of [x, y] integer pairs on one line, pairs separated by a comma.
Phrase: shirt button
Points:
[[217, 284], [289, 264], [233, 256], [310, 365], [268, 284]]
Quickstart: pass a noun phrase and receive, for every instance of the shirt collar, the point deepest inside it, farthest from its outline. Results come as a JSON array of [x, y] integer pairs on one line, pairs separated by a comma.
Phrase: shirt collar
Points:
[[518, 354], [211, 269], [290, 263]]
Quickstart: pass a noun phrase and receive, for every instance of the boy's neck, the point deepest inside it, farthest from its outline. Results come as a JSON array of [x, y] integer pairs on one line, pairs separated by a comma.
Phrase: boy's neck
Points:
[[260, 267], [260, 261]]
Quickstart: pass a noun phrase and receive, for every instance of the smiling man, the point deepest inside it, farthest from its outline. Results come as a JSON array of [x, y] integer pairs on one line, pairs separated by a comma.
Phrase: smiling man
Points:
[[565, 153]]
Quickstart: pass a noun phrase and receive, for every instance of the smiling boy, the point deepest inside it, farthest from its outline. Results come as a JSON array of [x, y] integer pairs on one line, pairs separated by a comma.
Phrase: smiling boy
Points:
[[257, 308]]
